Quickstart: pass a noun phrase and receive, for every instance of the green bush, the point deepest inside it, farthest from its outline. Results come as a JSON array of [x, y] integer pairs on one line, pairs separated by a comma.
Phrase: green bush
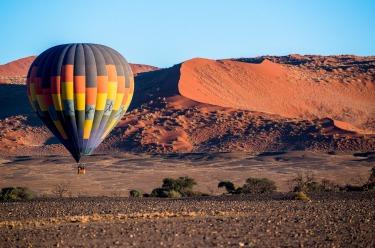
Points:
[[181, 184], [229, 186], [258, 186], [176, 188], [135, 193], [252, 186], [15, 194]]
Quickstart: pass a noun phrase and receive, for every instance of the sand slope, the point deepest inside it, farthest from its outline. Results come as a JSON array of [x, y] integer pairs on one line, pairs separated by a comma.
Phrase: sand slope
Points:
[[271, 88]]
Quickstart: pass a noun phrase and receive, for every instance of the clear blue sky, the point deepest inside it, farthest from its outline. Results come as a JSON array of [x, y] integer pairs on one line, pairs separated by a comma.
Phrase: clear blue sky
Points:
[[167, 32]]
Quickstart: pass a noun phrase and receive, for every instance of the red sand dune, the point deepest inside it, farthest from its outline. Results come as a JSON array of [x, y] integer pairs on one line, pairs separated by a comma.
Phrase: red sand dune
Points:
[[275, 89]]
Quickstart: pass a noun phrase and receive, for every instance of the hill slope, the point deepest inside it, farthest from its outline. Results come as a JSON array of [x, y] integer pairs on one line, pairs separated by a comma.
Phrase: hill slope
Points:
[[271, 88]]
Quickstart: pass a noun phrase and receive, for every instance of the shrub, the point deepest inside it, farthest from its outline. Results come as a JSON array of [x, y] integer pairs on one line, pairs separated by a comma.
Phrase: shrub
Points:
[[329, 186], [258, 186], [363, 184], [300, 196], [370, 185], [135, 193], [173, 194], [229, 186], [252, 186], [305, 182], [181, 184], [159, 192], [176, 188], [61, 189], [350, 187], [15, 194]]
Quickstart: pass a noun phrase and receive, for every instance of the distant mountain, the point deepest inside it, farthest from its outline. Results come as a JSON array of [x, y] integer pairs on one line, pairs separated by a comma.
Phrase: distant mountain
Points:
[[17, 68], [20, 67]]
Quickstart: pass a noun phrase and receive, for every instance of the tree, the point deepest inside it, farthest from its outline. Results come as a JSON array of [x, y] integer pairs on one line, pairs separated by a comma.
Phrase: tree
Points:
[[304, 182], [61, 189], [229, 186], [258, 186], [183, 185], [176, 188]]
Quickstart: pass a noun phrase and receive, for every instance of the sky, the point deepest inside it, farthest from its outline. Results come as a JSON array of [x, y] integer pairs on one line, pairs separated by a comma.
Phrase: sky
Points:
[[167, 32]]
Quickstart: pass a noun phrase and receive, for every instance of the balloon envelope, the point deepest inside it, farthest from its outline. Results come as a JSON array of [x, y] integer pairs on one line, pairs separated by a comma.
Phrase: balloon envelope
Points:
[[80, 92]]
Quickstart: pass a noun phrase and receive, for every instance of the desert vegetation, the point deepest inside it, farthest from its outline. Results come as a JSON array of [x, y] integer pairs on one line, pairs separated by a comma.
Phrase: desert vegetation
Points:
[[62, 189], [302, 184], [306, 182], [252, 186], [300, 196], [15, 194], [172, 188]]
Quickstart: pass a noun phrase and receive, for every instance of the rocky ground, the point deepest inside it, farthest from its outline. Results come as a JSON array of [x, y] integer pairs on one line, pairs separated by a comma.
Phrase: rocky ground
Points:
[[329, 220]]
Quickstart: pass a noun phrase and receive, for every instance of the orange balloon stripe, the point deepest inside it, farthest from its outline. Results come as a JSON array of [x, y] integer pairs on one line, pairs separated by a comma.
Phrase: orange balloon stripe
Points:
[[102, 84], [121, 84], [67, 73], [112, 75], [91, 94], [79, 84]]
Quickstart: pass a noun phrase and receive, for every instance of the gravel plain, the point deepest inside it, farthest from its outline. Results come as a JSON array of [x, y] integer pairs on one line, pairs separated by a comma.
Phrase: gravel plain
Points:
[[271, 220]]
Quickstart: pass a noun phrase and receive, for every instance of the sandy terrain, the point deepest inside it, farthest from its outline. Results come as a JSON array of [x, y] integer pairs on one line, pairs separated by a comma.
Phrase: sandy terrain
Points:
[[116, 174]]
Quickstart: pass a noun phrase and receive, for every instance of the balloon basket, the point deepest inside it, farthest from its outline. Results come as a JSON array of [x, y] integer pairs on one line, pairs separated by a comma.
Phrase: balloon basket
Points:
[[81, 169]]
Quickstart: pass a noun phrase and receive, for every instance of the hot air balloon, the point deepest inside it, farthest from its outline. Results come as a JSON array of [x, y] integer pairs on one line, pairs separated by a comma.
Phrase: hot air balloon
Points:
[[80, 92]]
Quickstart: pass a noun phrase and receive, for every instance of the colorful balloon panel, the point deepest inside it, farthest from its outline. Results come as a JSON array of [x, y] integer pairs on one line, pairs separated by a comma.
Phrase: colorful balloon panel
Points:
[[80, 92]]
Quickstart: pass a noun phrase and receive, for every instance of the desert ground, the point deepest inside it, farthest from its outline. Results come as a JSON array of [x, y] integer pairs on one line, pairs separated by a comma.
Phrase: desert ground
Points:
[[329, 220], [117, 174], [97, 212]]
